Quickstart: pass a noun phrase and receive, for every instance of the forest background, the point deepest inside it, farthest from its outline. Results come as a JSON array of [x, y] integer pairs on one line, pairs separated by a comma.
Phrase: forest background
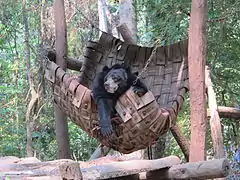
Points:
[[21, 67]]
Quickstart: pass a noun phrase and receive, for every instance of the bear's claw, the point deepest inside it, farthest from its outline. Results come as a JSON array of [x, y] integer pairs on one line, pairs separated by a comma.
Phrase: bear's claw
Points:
[[139, 91], [106, 131]]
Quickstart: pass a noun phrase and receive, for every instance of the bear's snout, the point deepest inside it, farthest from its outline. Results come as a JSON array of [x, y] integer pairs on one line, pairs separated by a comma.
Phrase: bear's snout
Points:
[[110, 85]]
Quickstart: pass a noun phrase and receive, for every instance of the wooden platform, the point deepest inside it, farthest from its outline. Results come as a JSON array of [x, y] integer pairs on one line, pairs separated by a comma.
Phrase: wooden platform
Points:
[[114, 167]]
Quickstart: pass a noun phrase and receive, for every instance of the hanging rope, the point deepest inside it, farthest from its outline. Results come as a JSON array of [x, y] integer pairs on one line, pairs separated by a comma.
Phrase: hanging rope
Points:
[[148, 62]]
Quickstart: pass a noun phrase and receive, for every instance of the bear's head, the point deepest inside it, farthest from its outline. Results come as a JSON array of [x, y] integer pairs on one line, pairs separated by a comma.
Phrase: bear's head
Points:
[[116, 78]]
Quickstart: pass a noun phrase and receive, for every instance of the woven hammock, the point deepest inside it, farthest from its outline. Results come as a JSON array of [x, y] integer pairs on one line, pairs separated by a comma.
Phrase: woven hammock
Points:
[[141, 120]]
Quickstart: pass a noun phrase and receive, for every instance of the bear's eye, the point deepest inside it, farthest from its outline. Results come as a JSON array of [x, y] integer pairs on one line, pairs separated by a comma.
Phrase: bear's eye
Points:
[[116, 78]]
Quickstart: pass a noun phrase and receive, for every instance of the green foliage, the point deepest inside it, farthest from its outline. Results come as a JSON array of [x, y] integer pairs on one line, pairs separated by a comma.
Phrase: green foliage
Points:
[[166, 20], [81, 145]]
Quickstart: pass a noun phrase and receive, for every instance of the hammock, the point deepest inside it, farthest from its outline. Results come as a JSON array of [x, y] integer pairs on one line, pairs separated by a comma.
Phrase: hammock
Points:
[[141, 119]]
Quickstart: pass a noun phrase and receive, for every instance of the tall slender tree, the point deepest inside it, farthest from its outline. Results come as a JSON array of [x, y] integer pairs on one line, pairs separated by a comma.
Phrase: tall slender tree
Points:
[[29, 123], [102, 8], [61, 51]]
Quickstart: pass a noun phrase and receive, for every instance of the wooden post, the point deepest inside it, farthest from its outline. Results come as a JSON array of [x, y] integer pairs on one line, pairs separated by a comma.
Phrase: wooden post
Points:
[[215, 124], [196, 62]]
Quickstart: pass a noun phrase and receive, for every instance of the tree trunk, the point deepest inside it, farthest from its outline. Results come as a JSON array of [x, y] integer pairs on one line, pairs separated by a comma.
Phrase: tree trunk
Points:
[[30, 81], [61, 52], [42, 17], [42, 41], [128, 16], [196, 62], [102, 6]]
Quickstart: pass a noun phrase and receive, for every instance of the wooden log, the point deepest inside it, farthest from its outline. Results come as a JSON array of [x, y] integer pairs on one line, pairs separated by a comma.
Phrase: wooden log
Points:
[[70, 171], [128, 168], [216, 168], [72, 63], [228, 112], [215, 124]]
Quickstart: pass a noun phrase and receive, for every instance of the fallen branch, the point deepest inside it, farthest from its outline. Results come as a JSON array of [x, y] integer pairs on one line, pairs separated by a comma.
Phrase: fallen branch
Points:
[[181, 140], [215, 124]]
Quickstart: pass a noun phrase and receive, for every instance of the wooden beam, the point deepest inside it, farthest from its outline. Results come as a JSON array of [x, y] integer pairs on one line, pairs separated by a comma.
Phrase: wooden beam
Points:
[[196, 66], [215, 124]]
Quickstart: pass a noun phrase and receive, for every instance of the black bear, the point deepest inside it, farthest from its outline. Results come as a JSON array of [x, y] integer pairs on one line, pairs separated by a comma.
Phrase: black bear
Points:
[[108, 86]]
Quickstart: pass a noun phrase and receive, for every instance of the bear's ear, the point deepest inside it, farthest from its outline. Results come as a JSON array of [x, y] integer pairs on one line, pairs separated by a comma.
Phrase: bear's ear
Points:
[[117, 66], [105, 68]]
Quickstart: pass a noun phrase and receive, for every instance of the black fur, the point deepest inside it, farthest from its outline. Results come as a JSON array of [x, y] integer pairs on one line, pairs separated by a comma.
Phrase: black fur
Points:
[[106, 101]]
